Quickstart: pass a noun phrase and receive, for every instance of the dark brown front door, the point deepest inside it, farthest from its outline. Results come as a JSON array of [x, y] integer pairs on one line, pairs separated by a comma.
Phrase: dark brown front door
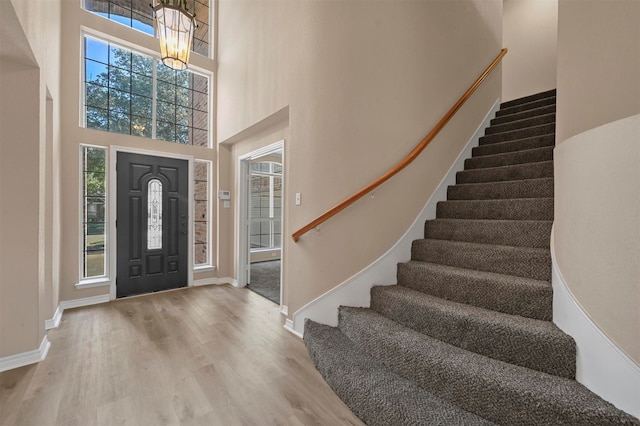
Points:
[[152, 223]]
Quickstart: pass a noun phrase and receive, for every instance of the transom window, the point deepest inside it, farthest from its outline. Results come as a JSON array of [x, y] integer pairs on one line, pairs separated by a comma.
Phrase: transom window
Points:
[[132, 93], [138, 14]]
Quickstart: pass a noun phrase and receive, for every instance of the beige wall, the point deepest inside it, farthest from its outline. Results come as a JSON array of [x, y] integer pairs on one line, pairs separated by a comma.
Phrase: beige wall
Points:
[[531, 35], [597, 211], [363, 83], [29, 141]]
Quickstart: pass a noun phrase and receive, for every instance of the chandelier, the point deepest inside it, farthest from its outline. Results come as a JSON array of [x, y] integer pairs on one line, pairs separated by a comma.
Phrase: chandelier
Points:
[[175, 27]]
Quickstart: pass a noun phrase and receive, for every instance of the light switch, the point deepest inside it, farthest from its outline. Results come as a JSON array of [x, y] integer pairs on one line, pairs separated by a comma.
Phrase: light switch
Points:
[[298, 199], [226, 204]]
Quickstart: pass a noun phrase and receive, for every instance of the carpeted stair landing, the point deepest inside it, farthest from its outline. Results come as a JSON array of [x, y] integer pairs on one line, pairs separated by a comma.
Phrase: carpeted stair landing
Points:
[[465, 337]]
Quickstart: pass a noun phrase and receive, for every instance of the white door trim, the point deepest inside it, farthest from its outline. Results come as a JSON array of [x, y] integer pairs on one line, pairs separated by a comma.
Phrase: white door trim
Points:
[[242, 230], [113, 184]]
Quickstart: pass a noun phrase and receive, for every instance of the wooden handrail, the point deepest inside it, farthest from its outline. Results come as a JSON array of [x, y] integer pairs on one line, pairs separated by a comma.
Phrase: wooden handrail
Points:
[[407, 160]]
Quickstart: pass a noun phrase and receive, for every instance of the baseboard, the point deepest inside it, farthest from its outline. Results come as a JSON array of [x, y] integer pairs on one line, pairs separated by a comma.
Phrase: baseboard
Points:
[[216, 281], [55, 321], [600, 365], [26, 358], [85, 301], [288, 325], [284, 310], [355, 291]]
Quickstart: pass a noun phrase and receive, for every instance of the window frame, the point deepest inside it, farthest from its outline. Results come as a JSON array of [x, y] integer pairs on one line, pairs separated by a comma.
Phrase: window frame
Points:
[[212, 5], [105, 278], [271, 175], [200, 267], [155, 57]]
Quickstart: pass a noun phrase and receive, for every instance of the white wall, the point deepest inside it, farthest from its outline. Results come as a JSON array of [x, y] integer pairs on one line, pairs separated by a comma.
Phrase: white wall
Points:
[[362, 82], [531, 35]]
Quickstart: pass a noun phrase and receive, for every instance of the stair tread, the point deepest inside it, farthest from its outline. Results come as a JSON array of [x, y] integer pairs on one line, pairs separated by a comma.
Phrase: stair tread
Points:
[[522, 133], [551, 93], [525, 262], [484, 289], [374, 393], [527, 106], [493, 389], [521, 123], [508, 337], [509, 208], [513, 172], [542, 110], [512, 145], [540, 187]]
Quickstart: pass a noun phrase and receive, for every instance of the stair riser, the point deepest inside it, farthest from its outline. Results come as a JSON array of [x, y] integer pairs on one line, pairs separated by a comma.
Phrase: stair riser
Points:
[[534, 345], [528, 132], [520, 124], [499, 259], [509, 159], [511, 233], [512, 146], [508, 173], [514, 209], [530, 188], [511, 296], [549, 109], [528, 99], [525, 107]]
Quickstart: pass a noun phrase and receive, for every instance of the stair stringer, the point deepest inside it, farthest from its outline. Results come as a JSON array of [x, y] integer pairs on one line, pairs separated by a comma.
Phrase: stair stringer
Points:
[[355, 291], [600, 365]]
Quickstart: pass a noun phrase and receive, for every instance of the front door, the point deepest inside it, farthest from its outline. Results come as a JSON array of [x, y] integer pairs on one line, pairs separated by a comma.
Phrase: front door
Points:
[[152, 223]]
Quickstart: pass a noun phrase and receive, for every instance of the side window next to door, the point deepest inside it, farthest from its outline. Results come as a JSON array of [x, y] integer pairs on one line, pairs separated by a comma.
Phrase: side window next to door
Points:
[[94, 209]]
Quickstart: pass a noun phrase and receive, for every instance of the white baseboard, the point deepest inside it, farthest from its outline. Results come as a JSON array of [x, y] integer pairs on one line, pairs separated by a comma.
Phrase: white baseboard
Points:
[[26, 358], [288, 325], [355, 291], [284, 310], [216, 281], [85, 301], [601, 366], [55, 321]]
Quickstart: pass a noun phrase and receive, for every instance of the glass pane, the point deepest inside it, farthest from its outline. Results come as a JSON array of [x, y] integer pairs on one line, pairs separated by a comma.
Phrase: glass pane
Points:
[[200, 254], [94, 211], [97, 96], [97, 118], [96, 72], [96, 50], [142, 85], [200, 232], [119, 122], [154, 214], [141, 126], [141, 105]]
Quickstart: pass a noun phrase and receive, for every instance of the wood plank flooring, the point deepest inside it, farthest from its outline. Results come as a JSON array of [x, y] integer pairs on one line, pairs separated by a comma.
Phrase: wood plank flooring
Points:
[[213, 355]]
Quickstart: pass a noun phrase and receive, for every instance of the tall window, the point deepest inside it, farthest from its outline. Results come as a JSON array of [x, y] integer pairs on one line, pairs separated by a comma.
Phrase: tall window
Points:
[[139, 15], [93, 211], [201, 221], [128, 92], [266, 206]]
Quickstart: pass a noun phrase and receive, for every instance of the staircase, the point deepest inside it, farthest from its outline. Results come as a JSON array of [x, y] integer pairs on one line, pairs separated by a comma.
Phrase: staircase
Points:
[[465, 337]]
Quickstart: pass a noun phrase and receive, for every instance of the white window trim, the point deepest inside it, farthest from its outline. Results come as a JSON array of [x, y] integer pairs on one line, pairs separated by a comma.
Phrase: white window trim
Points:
[[97, 281], [208, 266]]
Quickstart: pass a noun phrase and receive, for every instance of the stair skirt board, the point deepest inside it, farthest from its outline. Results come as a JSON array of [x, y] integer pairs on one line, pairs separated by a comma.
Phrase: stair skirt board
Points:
[[601, 366], [355, 291]]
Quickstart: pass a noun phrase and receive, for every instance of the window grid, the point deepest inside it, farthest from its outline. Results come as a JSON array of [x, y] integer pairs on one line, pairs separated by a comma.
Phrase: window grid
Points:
[[266, 206], [138, 14], [131, 93]]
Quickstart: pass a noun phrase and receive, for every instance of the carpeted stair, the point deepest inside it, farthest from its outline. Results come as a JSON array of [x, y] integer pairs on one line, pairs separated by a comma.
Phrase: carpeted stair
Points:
[[466, 337]]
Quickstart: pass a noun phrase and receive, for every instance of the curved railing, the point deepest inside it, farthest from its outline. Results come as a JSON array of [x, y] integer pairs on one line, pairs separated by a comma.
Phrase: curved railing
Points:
[[407, 160]]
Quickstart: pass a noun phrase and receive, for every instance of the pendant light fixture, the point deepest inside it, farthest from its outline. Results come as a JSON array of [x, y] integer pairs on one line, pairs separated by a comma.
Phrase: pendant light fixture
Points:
[[175, 26]]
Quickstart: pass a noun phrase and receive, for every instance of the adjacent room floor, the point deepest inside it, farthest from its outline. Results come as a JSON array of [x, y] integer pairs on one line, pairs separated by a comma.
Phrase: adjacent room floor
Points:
[[213, 355], [265, 280]]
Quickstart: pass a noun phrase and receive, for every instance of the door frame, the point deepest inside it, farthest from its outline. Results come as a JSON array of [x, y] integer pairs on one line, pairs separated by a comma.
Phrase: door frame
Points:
[[242, 227], [113, 199]]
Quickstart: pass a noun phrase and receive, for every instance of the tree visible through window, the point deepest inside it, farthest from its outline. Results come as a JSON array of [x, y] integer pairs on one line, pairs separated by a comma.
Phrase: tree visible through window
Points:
[[93, 212], [128, 92]]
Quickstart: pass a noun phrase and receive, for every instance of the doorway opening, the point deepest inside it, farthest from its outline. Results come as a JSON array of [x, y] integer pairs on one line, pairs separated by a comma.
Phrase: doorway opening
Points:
[[262, 204]]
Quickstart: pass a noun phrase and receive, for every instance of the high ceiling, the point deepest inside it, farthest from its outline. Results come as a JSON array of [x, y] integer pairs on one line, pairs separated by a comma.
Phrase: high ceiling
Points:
[[14, 47]]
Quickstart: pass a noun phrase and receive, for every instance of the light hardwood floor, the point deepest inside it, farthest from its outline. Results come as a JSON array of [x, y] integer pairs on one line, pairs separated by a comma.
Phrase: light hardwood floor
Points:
[[213, 355]]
